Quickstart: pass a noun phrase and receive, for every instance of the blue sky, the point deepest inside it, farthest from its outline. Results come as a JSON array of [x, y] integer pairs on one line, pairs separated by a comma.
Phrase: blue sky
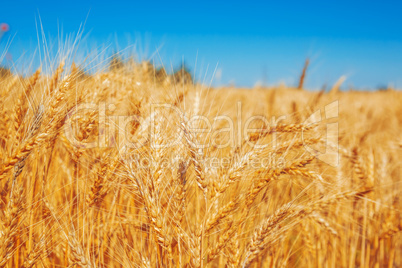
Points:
[[245, 41]]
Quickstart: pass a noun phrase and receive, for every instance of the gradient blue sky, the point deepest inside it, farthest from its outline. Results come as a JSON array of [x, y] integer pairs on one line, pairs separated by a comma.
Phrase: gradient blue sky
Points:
[[246, 40]]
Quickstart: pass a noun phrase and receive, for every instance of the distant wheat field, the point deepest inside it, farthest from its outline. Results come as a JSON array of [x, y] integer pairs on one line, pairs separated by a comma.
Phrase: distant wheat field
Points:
[[133, 167]]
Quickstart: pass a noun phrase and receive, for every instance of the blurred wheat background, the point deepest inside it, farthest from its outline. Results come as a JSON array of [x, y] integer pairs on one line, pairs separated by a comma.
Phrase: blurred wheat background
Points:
[[65, 205]]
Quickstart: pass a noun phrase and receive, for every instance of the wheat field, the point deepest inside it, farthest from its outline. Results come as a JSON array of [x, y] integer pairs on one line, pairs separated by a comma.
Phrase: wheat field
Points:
[[132, 167]]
